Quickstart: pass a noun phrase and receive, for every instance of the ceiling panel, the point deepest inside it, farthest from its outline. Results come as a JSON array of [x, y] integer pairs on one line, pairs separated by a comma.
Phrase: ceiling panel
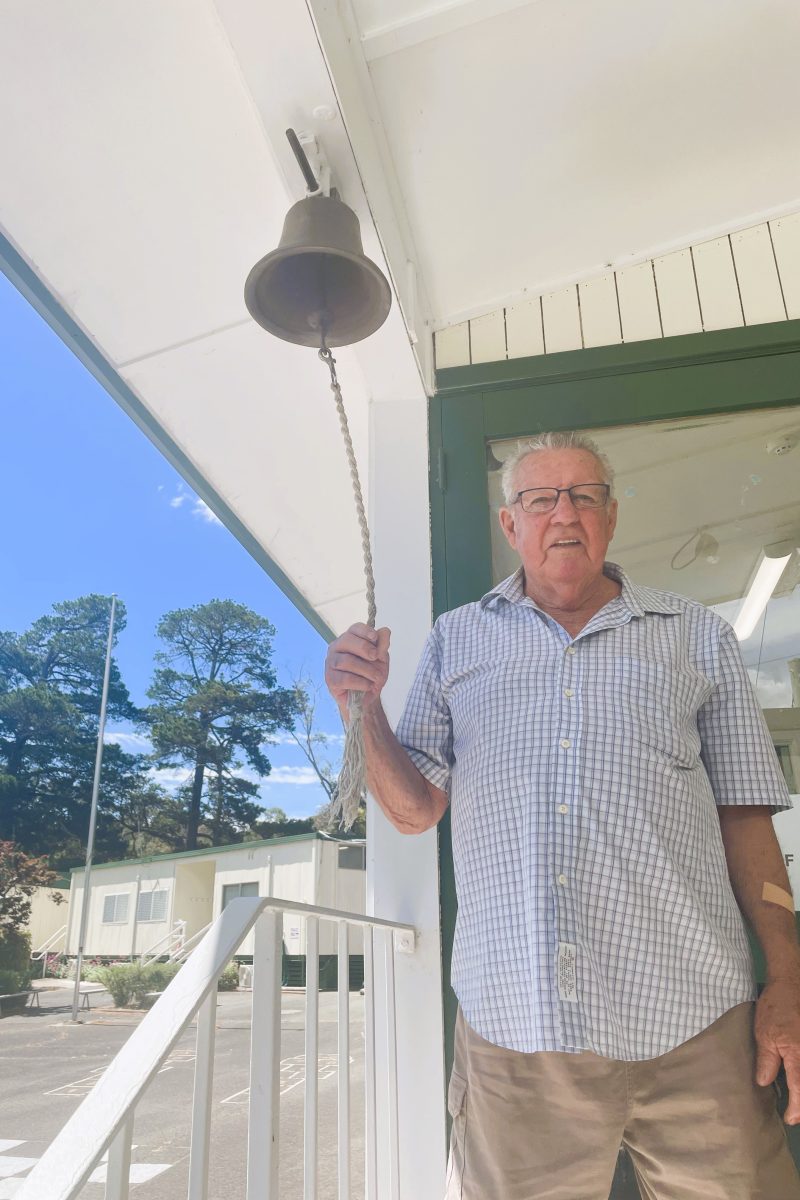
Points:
[[140, 181], [537, 146]]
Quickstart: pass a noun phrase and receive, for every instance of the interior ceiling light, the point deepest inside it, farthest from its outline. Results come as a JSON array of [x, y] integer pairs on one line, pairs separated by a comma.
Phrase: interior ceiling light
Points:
[[772, 562]]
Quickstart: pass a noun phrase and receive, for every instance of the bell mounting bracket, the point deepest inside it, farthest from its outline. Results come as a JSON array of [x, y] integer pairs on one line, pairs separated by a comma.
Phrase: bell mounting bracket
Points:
[[312, 162]]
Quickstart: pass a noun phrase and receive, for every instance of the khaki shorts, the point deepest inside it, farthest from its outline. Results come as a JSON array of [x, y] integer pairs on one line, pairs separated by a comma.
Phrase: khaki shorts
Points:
[[549, 1126]]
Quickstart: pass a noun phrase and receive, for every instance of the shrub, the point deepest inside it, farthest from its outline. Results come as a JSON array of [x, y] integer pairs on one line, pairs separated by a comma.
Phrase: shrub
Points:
[[129, 983], [229, 979], [16, 966]]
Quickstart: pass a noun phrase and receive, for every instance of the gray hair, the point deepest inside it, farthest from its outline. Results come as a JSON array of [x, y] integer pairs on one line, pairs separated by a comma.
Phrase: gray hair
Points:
[[568, 439]]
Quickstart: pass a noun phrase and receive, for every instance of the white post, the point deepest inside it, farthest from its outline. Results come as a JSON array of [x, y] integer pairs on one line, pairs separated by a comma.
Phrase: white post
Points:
[[370, 1098], [201, 1098], [98, 762], [343, 1075], [402, 871], [137, 893], [312, 1059], [387, 937], [265, 1064], [118, 1170]]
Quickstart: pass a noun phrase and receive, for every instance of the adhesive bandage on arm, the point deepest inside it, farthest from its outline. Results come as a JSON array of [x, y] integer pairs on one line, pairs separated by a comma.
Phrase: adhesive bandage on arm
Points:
[[777, 895]]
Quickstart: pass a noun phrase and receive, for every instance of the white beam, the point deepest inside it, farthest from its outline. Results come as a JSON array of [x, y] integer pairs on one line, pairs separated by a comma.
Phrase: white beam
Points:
[[340, 39], [432, 22]]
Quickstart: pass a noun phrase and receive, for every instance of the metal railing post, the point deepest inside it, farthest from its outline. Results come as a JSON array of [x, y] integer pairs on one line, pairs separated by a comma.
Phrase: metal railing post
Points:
[[265, 1065], [201, 1098], [370, 1095], [118, 1170], [343, 1076], [310, 1131]]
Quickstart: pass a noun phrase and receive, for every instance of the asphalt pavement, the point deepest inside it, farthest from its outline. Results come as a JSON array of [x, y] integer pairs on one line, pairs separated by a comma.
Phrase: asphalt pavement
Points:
[[48, 1064]]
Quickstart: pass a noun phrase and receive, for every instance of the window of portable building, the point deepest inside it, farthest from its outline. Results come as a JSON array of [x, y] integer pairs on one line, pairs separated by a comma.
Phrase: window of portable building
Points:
[[115, 908], [232, 891], [152, 906]]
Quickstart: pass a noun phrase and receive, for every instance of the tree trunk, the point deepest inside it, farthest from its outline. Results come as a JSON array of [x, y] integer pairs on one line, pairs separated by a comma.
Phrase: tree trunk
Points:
[[195, 800]]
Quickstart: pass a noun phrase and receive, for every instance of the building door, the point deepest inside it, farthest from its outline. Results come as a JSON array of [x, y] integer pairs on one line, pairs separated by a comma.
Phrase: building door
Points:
[[704, 434]]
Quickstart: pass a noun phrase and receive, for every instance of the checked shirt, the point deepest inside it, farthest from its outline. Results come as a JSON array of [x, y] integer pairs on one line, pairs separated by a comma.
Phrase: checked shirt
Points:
[[595, 909]]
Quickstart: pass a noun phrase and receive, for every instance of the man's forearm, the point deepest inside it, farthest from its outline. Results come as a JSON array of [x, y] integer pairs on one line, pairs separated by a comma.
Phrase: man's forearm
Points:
[[408, 800], [754, 858]]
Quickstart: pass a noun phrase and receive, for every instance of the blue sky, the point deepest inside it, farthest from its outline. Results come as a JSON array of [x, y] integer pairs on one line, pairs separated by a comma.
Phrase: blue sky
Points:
[[91, 506]]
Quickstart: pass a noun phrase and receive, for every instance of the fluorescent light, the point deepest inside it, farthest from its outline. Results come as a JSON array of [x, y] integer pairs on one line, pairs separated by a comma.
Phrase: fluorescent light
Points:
[[771, 565]]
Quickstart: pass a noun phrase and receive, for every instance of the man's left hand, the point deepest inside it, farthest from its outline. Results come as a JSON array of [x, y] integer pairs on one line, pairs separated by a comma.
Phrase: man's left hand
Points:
[[777, 1030]]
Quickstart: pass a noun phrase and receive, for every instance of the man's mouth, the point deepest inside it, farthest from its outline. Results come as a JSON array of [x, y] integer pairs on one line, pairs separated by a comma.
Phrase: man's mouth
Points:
[[566, 542]]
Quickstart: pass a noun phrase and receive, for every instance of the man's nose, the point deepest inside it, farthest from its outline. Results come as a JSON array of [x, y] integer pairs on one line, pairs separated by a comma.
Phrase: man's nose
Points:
[[565, 512]]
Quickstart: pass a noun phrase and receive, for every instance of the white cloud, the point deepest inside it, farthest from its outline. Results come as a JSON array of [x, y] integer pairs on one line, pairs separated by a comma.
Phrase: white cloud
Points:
[[133, 743], [178, 500], [295, 775], [202, 510], [286, 739], [171, 778]]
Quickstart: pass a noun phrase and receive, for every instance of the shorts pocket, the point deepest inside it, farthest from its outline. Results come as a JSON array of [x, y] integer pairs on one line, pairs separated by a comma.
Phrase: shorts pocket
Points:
[[457, 1107], [456, 1094]]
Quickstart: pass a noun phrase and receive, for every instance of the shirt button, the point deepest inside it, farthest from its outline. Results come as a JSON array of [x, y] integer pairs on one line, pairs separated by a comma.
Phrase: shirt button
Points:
[[562, 808], [570, 649], [562, 879], [569, 693], [565, 743]]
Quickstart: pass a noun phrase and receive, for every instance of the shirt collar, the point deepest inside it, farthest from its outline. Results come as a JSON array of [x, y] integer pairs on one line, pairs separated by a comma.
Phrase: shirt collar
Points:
[[637, 599]]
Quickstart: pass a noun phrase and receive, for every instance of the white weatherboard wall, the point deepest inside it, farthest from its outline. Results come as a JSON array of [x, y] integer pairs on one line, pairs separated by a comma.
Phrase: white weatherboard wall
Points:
[[747, 278], [47, 915], [403, 871], [127, 937]]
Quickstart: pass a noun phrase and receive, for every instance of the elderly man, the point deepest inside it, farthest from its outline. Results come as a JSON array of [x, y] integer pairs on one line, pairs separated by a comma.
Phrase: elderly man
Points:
[[612, 783]]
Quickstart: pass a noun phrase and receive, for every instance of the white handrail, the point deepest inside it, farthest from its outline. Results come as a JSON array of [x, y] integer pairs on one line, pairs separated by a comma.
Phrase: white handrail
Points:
[[172, 940], [40, 954], [185, 949], [45, 948], [104, 1121]]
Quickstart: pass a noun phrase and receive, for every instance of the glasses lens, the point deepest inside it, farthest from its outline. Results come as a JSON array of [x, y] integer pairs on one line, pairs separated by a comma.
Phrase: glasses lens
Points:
[[588, 495], [539, 500]]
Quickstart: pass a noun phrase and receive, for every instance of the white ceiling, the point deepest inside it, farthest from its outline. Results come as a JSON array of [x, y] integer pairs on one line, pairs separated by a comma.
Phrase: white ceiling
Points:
[[495, 145], [571, 134]]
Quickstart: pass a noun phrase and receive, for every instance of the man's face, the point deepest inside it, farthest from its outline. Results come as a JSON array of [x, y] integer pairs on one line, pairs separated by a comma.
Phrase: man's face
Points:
[[566, 547]]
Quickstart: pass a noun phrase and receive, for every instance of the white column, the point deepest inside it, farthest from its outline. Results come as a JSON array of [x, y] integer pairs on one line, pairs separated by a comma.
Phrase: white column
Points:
[[403, 871]]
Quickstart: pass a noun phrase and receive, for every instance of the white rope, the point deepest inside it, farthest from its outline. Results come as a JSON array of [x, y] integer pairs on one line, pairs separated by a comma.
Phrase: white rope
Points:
[[351, 787]]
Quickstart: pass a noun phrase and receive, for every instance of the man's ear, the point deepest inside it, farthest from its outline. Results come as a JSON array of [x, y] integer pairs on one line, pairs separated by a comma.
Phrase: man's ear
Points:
[[612, 518], [508, 527]]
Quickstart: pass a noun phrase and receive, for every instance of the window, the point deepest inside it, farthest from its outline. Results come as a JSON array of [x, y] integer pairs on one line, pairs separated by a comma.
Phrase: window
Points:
[[784, 753], [152, 906], [115, 908], [352, 858], [232, 891]]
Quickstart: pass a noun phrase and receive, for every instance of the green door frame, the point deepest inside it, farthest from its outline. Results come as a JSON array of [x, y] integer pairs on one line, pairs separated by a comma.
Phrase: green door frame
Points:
[[726, 371]]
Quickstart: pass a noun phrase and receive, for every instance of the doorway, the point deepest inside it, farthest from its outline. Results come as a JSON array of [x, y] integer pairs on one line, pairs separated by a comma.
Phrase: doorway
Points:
[[704, 433]]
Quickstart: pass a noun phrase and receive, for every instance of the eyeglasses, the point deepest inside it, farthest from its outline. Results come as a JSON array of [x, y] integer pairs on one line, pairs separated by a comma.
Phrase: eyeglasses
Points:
[[582, 495]]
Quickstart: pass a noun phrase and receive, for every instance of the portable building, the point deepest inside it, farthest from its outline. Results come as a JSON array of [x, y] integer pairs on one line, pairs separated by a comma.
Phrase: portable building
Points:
[[140, 905]]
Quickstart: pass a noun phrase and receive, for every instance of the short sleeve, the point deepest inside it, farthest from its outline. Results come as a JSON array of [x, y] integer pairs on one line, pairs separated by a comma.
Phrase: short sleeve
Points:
[[736, 746], [425, 729]]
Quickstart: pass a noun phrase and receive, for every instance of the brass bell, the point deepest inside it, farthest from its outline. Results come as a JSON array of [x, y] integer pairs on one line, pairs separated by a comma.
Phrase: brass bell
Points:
[[319, 281]]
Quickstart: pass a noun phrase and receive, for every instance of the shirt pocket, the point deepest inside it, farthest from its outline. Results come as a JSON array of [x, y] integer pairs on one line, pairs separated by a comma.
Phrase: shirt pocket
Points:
[[655, 704]]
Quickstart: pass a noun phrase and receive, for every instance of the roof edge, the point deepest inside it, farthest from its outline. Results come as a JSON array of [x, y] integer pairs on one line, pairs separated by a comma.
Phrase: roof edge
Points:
[[204, 851], [38, 295]]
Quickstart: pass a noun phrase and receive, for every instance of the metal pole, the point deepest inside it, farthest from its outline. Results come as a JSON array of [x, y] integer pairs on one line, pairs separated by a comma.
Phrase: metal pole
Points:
[[93, 818]]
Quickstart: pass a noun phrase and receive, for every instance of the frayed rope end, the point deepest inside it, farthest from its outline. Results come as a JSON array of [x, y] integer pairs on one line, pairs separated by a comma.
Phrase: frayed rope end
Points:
[[351, 789]]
